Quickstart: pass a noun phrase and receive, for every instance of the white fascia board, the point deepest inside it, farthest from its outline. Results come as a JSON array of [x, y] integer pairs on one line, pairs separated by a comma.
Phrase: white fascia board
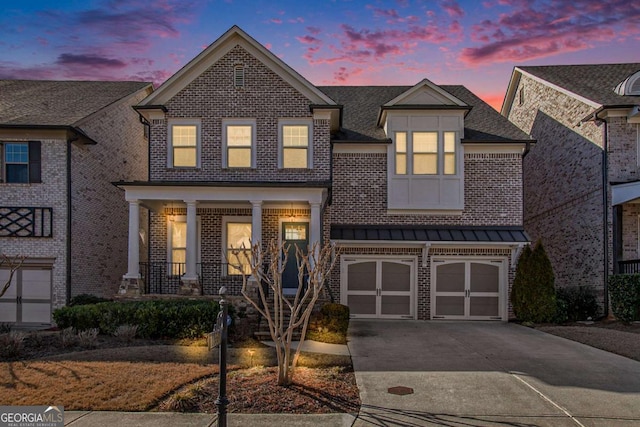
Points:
[[514, 81], [561, 89], [224, 194]]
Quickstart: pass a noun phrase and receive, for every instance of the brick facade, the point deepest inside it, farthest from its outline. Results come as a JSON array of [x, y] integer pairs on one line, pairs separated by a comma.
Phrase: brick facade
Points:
[[99, 214], [52, 192], [266, 97], [563, 182]]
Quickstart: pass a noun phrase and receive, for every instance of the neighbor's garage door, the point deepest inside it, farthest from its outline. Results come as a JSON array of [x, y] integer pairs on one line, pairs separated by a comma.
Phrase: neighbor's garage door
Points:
[[28, 299], [378, 287], [468, 289]]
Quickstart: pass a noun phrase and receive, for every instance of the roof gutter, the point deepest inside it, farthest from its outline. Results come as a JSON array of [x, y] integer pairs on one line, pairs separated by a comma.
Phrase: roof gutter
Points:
[[77, 132]]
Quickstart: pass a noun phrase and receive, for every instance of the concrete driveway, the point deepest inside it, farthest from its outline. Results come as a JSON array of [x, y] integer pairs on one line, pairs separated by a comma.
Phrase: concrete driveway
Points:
[[488, 374]]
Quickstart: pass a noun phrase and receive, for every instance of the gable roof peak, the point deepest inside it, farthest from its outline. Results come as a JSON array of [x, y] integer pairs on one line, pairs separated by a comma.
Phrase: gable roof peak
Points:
[[231, 38], [437, 95]]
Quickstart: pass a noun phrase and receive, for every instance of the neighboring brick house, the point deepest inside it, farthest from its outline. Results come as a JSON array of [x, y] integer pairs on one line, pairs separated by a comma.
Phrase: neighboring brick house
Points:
[[62, 143], [582, 178], [421, 187]]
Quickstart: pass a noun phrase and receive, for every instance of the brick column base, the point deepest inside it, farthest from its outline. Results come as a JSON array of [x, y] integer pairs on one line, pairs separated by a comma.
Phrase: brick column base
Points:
[[190, 287], [131, 286]]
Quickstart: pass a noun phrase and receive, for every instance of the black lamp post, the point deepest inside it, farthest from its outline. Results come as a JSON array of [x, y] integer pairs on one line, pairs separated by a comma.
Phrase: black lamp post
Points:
[[222, 402]]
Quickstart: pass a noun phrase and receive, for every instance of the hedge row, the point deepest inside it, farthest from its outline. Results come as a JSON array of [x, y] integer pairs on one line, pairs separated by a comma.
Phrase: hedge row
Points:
[[624, 290], [155, 319]]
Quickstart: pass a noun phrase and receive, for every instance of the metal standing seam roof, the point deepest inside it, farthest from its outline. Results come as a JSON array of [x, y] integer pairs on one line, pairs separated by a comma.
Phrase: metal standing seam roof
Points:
[[596, 82], [496, 234], [58, 103], [361, 105]]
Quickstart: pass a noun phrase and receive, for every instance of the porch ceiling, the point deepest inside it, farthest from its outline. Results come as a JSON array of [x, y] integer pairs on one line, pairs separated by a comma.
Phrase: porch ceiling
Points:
[[627, 192]]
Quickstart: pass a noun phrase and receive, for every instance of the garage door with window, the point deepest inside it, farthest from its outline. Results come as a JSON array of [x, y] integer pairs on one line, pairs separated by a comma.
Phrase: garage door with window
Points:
[[28, 299], [467, 289], [378, 287]]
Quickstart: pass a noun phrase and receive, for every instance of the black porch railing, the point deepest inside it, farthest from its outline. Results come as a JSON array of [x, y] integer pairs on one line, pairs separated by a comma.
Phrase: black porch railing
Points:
[[631, 266], [165, 277]]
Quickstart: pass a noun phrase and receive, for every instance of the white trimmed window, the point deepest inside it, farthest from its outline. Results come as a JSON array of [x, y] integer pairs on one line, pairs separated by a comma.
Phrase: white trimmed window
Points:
[[239, 138], [177, 244], [295, 138], [237, 237], [425, 153], [184, 144]]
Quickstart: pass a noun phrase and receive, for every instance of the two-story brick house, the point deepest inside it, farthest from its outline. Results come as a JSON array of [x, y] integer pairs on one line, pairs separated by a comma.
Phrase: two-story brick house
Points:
[[420, 186], [582, 178], [62, 143]]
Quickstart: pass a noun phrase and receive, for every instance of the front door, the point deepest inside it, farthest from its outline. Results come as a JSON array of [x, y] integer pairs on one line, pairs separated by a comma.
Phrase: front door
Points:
[[467, 289], [293, 234]]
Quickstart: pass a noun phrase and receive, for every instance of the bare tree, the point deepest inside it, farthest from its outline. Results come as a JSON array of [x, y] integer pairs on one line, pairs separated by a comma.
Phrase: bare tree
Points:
[[266, 268], [13, 265]]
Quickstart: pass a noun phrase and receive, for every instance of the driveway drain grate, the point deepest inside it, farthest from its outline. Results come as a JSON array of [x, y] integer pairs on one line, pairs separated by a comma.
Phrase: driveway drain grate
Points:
[[400, 390]]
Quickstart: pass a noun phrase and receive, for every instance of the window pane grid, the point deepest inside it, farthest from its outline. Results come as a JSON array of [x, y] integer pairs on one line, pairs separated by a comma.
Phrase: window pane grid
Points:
[[239, 136], [449, 153], [17, 153], [295, 136], [184, 140], [425, 153]]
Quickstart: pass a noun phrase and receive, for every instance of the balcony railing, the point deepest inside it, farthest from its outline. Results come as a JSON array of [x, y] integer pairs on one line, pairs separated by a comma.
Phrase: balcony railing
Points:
[[26, 222], [161, 277], [631, 266]]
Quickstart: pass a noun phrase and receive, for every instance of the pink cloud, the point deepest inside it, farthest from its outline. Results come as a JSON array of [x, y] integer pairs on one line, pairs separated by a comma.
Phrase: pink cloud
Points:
[[535, 30], [298, 20], [452, 8], [276, 21], [314, 30]]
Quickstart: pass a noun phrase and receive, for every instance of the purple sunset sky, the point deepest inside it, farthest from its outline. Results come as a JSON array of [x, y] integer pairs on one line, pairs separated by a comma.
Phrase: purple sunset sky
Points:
[[341, 42]]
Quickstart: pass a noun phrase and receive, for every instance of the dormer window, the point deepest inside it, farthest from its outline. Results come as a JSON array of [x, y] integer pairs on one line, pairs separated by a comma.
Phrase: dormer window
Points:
[[630, 86], [238, 76]]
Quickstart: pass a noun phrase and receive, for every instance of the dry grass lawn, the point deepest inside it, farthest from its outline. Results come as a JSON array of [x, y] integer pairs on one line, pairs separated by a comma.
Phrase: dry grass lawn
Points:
[[95, 385]]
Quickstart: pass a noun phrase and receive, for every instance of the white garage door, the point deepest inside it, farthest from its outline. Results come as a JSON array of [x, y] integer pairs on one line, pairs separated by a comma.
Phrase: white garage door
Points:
[[378, 287], [28, 299], [468, 289]]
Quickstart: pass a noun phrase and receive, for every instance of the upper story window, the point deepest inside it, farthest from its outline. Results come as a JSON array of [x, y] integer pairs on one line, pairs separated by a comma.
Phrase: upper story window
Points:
[[295, 144], [184, 144], [239, 143], [21, 162], [425, 153]]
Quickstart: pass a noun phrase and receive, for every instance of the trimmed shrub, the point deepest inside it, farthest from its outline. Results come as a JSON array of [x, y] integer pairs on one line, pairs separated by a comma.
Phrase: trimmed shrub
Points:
[[84, 299], [576, 303], [330, 325], [624, 290], [155, 319], [533, 294], [12, 343]]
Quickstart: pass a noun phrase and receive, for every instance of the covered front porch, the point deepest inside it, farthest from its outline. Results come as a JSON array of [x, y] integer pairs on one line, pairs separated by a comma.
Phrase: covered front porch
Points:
[[625, 199], [193, 228]]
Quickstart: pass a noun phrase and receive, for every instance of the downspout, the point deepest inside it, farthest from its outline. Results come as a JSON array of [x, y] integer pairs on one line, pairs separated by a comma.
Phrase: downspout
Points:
[[68, 266], [605, 204]]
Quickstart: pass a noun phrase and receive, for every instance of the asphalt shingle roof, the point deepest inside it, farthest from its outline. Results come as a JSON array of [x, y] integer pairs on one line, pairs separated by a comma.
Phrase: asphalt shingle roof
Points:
[[596, 82], [430, 233], [58, 103], [361, 105]]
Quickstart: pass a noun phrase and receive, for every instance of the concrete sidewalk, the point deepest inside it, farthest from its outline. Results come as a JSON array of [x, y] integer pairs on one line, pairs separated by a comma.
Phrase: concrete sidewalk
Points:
[[171, 419]]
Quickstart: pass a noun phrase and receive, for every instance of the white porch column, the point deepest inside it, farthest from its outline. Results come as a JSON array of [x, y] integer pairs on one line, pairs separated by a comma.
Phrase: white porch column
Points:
[[315, 228], [192, 242], [133, 264], [256, 222]]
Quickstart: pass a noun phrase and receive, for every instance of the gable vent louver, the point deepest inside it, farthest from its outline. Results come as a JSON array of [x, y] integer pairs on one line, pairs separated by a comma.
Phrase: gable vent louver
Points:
[[238, 76], [630, 86]]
